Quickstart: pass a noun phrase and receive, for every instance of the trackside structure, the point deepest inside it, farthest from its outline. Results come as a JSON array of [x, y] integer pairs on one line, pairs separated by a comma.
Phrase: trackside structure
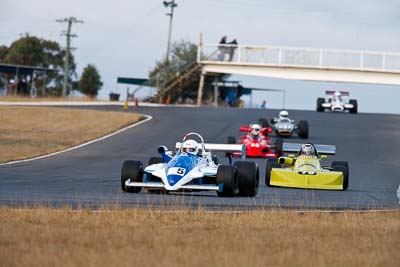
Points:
[[316, 64]]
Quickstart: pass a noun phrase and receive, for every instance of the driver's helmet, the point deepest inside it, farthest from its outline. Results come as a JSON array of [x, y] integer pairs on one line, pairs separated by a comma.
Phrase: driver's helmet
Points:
[[255, 129], [337, 95], [307, 149], [283, 114], [190, 146]]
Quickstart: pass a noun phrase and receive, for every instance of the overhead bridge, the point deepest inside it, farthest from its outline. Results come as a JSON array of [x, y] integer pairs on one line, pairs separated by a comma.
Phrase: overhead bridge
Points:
[[312, 64]]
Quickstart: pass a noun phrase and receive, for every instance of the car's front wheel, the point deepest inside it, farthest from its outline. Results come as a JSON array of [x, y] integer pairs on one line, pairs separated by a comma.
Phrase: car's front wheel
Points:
[[302, 129], [342, 166], [249, 177], [271, 163], [131, 170], [354, 109], [228, 179], [320, 102]]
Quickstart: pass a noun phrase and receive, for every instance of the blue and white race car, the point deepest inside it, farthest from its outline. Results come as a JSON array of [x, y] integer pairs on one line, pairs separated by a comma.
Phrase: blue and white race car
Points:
[[192, 168]]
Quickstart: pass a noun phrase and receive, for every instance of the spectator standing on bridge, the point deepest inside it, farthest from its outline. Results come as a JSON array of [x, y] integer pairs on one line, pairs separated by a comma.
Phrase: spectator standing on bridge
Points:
[[264, 104], [222, 48], [232, 47]]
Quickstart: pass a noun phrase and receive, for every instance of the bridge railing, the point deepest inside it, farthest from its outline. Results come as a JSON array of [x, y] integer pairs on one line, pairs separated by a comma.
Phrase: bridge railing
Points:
[[300, 57]]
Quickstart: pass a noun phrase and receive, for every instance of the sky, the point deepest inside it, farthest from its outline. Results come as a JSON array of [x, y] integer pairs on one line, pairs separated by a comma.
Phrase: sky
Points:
[[126, 37]]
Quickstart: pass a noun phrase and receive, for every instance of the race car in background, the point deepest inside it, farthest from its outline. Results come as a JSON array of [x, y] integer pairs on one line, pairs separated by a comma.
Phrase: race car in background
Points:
[[192, 168], [336, 102], [257, 142], [285, 127], [304, 170]]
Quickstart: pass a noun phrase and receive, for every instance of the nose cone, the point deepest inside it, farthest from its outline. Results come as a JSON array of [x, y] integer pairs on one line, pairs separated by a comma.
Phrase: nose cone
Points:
[[173, 179]]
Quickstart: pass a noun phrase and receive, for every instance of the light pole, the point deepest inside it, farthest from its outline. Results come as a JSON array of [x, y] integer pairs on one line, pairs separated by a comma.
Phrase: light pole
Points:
[[68, 34], [172, 5]]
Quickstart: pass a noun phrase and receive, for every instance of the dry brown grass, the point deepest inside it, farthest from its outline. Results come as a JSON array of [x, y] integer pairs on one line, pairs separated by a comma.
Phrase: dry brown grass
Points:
[[45, 99], [32, 131], [47, 237]]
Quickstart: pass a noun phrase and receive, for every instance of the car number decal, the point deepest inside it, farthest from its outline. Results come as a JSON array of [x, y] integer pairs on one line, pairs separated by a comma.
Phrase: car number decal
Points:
[[176, 171]]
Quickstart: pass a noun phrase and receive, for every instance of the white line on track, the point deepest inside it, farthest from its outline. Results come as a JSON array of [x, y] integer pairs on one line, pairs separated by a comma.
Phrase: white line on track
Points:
[[81, 145], [82, 103]]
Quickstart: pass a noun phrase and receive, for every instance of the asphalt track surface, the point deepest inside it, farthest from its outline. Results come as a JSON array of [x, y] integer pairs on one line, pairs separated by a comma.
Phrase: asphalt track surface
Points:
[[90, 176]]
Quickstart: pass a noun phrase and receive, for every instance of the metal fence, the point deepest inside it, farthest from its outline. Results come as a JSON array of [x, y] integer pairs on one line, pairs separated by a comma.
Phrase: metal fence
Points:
[[301, 57]]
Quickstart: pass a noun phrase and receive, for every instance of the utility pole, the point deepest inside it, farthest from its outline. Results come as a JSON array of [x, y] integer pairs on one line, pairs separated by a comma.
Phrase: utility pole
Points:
[[68, 34], [172, 5]]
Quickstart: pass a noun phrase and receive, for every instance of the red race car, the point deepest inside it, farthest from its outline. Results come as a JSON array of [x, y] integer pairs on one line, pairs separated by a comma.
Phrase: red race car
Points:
[[257, 142]]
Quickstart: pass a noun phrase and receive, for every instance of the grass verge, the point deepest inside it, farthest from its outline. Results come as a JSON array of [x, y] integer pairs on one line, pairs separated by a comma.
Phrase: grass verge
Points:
[[136, 237], [27, 132]]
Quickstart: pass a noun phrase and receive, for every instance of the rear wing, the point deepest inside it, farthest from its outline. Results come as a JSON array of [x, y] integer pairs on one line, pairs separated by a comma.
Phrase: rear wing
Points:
[[227, 148], [264, 130], [321, 149], [343, 93]]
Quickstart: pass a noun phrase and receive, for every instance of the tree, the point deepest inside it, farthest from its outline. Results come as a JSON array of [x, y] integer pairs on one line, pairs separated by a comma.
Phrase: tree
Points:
[[183, 58], [3, 52], [27, 50], [36, 52], [90, 82]]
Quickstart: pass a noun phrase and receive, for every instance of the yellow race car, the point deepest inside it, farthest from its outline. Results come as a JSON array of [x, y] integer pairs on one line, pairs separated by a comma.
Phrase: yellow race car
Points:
[[304, 170]]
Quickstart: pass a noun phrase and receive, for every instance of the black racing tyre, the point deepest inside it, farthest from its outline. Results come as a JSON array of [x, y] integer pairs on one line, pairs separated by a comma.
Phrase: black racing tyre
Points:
[[320, 101], [215, 159], [271, 163], [342, 166], [231, 140], [302, 129], [279, 147], [248, 176], [227, 175], [264, 123], [354, 110], [133, 170]]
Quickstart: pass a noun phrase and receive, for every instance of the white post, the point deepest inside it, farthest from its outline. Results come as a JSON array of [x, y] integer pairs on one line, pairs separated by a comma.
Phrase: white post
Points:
[[200, 90], [239, 53], [216, 91], [199, 48]]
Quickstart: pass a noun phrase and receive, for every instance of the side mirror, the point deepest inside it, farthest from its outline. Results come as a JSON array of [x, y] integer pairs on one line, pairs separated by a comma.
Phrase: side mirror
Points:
[[324, 157]]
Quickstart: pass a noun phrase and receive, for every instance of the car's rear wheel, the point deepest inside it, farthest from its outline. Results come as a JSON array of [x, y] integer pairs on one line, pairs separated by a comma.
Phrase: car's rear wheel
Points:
[[249, 177], [279, 147], [215, 159], [132, 170], [227, 176], [271, 163], [353, 110], [302, 129], [320, 101], [342, 166]]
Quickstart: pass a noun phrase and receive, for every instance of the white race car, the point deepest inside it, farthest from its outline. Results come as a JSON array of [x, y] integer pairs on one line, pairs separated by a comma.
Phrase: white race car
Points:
[[285, 127], [336, 102], [193, 168]]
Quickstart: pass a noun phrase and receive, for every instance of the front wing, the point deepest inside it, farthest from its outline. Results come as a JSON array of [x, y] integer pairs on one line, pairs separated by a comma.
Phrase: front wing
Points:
[[158, 170], [329, 180]]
